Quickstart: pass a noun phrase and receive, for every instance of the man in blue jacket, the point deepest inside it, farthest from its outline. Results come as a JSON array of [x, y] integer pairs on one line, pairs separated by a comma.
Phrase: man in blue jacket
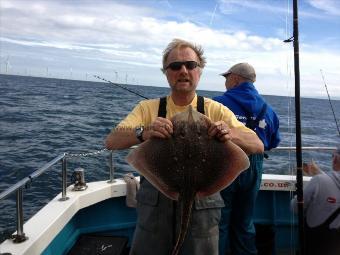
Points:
[[236, 225]]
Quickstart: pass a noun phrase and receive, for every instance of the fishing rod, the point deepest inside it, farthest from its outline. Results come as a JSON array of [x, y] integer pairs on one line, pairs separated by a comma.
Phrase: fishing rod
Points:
[[299, 175], [120, 86], [330, 102]]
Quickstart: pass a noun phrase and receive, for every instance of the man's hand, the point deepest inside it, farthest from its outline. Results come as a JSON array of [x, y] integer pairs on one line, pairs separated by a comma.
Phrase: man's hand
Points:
[[160, 128], [220, 130]]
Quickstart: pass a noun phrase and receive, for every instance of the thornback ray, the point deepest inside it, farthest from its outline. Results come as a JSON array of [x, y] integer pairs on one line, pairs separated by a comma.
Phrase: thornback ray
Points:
[[189, 164]]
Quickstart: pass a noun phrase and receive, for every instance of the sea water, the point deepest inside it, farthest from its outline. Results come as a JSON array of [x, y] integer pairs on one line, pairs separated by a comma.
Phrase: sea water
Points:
[[41, 118]]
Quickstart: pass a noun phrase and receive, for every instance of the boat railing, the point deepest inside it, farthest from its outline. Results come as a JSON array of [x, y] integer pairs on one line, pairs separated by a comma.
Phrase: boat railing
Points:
[[283, 148], [18, 187]]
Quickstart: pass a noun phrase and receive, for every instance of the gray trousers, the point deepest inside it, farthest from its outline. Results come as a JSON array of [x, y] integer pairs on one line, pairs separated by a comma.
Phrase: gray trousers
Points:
[[155, 224]]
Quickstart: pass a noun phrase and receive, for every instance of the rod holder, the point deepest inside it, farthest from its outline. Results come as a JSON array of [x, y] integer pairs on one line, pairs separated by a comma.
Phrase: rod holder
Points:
[[64, 179], [20, 236], [78, 179], [112, 179]]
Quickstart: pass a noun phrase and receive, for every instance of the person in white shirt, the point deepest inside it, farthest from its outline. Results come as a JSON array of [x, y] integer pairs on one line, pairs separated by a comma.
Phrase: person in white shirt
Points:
[[322, 208]]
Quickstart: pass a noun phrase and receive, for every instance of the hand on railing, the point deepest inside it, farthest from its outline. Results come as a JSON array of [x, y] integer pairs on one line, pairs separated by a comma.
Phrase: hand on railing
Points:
[[311, 168]]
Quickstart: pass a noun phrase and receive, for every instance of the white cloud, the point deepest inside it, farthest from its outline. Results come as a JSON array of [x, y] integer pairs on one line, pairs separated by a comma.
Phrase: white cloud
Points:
[[280, 7], [58, 45], [229, 6], [115, 35], [329, 6]]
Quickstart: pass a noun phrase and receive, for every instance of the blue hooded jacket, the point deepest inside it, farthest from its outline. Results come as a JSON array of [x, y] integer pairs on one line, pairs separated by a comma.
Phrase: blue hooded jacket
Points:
[[244, 100]]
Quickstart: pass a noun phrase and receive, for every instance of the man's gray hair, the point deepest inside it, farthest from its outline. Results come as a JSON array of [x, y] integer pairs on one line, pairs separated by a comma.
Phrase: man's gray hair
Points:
[[179, 43]]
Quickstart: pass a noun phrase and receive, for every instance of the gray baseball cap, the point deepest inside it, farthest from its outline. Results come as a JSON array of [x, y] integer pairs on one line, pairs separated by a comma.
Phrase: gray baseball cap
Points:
[[242, 69]]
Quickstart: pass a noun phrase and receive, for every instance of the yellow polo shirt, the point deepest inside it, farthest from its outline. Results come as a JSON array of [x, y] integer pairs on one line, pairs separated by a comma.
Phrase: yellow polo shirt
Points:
[[146, 112]]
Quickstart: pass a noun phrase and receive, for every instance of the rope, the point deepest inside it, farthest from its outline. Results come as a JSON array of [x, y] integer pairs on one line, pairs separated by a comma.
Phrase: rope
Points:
[[85, 154]]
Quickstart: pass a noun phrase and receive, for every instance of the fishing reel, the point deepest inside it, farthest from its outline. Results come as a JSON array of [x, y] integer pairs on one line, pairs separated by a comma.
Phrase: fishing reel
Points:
[[78, 179]]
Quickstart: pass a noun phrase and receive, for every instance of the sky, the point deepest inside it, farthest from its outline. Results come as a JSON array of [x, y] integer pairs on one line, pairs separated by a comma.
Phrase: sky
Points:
[[123, 40]]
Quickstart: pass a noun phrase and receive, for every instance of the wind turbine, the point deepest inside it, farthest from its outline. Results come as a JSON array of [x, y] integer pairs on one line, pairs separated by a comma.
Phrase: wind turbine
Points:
[[116, 75], [8, 65]]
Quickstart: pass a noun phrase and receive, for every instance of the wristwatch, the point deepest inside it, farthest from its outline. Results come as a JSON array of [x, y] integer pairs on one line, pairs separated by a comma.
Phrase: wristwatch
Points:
[[139, 133]]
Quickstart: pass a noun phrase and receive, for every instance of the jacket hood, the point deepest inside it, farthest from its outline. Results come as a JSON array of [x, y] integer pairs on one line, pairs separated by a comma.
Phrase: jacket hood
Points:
[[246, 94]]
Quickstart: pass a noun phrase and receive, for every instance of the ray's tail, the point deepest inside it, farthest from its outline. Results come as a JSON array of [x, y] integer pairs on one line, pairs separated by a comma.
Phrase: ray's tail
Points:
[[186, 204]]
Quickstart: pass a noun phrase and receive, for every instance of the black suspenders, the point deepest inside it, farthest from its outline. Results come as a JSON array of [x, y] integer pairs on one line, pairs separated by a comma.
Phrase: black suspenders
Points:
[[331, 218], [162, 106], [200, 104]]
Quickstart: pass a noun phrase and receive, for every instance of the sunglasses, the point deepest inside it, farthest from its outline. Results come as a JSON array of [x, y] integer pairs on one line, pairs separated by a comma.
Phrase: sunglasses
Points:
[[175, 66]]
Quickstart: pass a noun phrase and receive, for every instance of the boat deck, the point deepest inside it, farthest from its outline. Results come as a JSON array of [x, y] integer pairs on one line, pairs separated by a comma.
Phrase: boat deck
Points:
[[61, 222]]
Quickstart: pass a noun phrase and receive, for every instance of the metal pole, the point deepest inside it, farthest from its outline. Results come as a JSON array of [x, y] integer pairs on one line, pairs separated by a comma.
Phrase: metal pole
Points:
[[111, 168], [299, 174], [283, 148], [64, 179], [20, 236]]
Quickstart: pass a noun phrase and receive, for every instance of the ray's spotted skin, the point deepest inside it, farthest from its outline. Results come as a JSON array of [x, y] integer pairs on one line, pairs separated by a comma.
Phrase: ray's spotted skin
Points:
[[190, 163]]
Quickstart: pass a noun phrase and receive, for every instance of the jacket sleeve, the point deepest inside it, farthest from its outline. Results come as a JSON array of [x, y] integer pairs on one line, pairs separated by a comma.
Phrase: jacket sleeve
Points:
[[276, 138]]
